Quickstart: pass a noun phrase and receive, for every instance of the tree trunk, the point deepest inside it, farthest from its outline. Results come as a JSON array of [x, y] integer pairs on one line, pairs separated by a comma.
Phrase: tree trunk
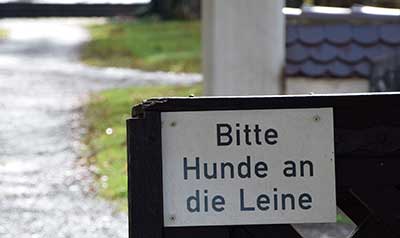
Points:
[[177, 9]]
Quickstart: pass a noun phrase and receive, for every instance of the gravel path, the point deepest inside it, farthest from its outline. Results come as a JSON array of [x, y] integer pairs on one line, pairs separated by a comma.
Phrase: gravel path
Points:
[[41, 88]]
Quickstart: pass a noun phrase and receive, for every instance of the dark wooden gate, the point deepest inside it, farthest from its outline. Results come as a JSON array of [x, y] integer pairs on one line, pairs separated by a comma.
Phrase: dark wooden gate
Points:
[[367, 147]]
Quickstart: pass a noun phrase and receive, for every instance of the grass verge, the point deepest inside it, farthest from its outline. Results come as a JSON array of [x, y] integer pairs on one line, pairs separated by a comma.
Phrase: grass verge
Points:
[[106, 112], [147, 45]]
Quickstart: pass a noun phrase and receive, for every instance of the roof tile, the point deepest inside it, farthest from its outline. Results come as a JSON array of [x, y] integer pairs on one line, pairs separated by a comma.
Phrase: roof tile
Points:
[[324, 52], [297, 53], [339, 69], [390, 33], [291, 34], [313, 69], [292, 69], [363, 69], [342, 50], [365, 34], [311, 34], [378, 51], [338, 34], [350, 53]]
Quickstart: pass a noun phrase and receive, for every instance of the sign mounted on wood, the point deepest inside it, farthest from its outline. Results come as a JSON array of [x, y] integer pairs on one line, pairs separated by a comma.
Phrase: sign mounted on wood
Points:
[[248, 167], [223, 167]]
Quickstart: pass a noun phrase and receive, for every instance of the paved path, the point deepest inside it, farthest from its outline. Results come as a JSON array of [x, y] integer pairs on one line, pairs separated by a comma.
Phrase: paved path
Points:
[[41, 88]]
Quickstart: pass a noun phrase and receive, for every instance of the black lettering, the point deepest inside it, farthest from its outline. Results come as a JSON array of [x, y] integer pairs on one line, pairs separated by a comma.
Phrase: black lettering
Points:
[[310, 166], [206, 200], [284, 197], [231, 168], [270, 136], [196, 200], [305, 201], [237, 133], [257, 131], [218, 203], [261, 169], [214, 171], [226, 134], [242, 203], [246, 165], [275, 199], [290, 170], [186, 168], [247, 132], [262, 202]]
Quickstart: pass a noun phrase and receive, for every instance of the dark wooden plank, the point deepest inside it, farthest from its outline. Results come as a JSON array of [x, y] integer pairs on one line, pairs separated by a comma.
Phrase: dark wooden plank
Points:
[[359, 206], [352, 206], [365, 125], [130, 151], [250, 231], [261, 231], [384, 204], [197, 232], [384, 102], [371, 228], [350, 112], [359, 213], [145, 172], [374, 141], [359, 172]]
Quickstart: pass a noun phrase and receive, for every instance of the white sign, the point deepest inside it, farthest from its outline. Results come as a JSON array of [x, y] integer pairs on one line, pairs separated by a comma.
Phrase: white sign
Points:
[[248, 167]]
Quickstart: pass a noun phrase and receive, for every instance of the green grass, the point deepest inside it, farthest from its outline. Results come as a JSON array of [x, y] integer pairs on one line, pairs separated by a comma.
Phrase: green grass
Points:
[[147, 45], [110, 109], [343, 219]]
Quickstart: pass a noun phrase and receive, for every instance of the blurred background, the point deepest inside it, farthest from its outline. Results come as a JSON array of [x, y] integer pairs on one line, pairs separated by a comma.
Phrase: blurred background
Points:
[[70, 70]]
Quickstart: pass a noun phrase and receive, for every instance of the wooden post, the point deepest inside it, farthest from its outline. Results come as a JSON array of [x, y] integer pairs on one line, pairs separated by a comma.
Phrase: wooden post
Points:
[[243, 47], [145, 182]]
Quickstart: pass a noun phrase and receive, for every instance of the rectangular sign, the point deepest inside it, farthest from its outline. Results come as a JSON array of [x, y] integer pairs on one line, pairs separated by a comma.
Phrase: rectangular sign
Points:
[[247, 167]]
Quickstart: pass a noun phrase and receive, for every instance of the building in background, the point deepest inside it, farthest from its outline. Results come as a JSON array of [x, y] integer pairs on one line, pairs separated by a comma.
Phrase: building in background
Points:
[[340, 50]]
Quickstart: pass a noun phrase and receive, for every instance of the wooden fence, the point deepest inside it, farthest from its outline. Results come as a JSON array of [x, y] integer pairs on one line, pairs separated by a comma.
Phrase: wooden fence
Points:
[[367, 148]]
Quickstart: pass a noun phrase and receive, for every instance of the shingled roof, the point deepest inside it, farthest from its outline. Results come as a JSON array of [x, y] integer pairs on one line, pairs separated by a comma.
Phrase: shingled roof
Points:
[[338, 50]]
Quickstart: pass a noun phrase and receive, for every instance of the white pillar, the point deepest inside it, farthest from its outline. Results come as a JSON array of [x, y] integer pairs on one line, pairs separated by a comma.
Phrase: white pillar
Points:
[[243, 46]]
